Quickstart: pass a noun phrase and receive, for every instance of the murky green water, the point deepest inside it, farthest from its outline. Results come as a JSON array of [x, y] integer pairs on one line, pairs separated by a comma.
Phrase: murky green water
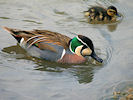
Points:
[[26, 78]]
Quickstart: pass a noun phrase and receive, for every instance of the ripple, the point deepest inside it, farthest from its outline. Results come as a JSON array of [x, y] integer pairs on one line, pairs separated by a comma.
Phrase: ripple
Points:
[[59, 12], [31, 21], [4, 18]]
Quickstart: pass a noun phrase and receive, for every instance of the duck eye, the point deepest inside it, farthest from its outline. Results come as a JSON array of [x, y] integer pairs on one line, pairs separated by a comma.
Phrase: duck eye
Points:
[[112, 11]]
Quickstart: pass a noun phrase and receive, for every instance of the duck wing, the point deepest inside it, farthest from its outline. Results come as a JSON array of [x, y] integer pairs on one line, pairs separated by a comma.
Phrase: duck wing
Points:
[[39, 38]]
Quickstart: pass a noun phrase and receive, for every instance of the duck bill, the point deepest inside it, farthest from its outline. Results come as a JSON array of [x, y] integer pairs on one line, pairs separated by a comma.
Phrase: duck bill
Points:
[[118, 15], [94, 56]]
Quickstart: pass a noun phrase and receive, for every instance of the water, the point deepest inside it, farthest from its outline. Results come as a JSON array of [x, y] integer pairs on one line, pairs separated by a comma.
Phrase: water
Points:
[[23, 77]]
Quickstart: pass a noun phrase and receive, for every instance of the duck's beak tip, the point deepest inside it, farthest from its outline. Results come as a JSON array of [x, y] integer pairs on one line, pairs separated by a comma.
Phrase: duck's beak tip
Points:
[[94, 56], [118, 15]]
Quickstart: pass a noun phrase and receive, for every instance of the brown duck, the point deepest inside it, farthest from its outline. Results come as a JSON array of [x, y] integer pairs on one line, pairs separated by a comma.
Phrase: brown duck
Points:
[[100, 14], [54, 46]]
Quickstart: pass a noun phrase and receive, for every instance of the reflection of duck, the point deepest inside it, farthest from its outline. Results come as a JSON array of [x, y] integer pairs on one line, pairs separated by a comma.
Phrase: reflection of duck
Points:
[[112, 27], [99, 14], [55, 46]]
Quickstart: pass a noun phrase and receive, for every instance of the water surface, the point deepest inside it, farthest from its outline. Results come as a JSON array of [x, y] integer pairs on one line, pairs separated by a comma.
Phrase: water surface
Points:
[[23, 77]]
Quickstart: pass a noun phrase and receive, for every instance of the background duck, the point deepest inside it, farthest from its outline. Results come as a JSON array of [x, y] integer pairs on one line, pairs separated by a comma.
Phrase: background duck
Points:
[[99, 14], [54, 46]]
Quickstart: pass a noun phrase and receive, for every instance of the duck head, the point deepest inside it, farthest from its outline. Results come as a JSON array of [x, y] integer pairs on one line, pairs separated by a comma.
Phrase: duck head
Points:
[[83, 46], [112, 11]]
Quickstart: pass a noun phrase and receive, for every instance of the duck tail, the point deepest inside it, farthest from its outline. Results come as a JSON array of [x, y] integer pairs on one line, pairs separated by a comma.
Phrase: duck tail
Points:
[[14, 32]]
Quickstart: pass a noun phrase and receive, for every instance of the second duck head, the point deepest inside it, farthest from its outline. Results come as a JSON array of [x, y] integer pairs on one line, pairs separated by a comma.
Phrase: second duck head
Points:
[[112, 11]]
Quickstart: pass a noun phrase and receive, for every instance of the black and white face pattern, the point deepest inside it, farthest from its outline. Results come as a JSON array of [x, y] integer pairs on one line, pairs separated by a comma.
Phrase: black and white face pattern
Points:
[[88, 48], [86, 41]]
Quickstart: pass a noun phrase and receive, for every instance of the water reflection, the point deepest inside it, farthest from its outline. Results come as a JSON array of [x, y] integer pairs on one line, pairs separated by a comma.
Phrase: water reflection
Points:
[[112, 27], [83, 74], [46, 80]]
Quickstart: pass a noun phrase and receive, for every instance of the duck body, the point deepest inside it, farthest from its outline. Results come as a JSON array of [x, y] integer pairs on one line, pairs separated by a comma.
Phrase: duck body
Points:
[[60, 54], [99, 14], [54, 46]]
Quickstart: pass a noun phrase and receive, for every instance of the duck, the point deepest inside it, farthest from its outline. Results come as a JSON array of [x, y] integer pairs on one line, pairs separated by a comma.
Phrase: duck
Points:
[[99, 14], [53, 46]]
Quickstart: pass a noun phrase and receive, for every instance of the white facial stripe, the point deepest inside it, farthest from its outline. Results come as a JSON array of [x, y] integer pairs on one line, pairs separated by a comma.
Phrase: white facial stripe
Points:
[[63, 53], [82, 41]]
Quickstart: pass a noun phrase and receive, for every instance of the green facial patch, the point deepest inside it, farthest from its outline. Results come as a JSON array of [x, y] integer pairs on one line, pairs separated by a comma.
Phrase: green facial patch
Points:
[[74, 44]]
